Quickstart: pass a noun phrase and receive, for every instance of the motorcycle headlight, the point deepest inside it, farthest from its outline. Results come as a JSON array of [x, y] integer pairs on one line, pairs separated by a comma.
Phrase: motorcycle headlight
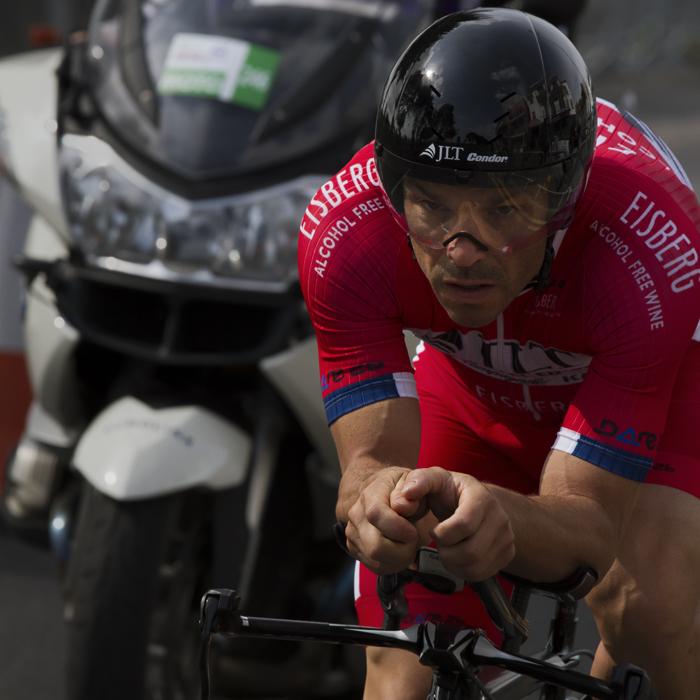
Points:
[[119, 219]]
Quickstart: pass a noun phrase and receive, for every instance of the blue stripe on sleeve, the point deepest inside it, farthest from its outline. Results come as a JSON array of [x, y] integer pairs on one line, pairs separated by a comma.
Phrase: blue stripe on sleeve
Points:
[[363, 393], [613, 459]]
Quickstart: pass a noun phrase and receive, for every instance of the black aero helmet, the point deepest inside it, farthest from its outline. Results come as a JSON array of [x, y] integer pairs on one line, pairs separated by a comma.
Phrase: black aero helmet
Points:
[[488, 98]]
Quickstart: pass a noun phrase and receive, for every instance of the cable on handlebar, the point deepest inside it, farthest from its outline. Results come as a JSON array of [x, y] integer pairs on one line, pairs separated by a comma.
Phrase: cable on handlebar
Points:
[[578, 652], [206, 622]]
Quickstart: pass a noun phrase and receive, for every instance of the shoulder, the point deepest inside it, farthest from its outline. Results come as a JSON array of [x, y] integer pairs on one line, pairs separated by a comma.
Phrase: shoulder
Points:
[[352, 194], [349, 244], [636, 237], [640, 272], [638, 207], [627, 148]]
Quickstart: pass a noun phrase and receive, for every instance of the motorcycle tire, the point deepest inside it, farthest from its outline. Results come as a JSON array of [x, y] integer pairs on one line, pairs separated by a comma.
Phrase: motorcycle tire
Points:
[[132, 594]]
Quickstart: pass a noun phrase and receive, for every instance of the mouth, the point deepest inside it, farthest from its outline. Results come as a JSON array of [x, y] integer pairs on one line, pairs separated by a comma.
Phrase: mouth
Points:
[[468, 292], [468, 285]]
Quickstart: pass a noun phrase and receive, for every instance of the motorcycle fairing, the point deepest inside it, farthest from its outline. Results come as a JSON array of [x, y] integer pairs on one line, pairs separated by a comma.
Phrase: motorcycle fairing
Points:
[[132, 451]]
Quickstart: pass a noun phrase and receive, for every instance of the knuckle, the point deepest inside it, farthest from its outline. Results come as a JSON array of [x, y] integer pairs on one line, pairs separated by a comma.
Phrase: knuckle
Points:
[[374, 552], [354, 514], [378, 550], [467, 556], [474, 551], [373, 511]]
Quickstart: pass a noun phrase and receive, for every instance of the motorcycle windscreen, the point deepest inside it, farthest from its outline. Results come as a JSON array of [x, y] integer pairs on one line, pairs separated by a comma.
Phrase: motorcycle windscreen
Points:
[[216, 88]]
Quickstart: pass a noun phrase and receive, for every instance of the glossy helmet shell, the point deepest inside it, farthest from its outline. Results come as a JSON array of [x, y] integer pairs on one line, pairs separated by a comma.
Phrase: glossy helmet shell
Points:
[[491, 91]]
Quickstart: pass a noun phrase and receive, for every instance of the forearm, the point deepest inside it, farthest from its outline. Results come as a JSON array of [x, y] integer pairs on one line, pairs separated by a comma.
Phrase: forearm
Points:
[[556, 534], [578, 518], [380, 436]]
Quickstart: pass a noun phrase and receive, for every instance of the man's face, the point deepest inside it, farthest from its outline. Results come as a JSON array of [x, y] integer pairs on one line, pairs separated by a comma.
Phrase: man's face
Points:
[[474, 285]]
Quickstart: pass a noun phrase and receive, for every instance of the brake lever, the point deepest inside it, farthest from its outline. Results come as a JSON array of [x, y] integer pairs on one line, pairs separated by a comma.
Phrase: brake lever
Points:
[[218, 612], [515, 628]]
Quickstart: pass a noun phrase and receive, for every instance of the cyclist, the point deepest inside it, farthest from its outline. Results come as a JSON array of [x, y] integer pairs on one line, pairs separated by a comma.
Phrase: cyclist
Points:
[[544, 250]]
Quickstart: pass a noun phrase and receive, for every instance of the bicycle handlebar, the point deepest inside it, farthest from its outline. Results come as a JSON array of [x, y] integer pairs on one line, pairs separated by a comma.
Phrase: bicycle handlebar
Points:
[[443, 647], [449, 650]]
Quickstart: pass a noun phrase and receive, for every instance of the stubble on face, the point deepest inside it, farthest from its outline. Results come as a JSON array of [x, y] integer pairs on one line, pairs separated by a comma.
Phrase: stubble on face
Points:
[[503, 277]]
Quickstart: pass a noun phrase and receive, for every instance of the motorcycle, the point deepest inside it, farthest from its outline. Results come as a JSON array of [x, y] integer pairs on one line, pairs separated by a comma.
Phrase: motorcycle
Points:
[[177, 437]]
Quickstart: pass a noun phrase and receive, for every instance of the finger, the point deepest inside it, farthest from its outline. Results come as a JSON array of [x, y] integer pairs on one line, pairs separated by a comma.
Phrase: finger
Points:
[[480, 556], [434, 484], [379, 514], [374, 505], [410, 508], [381, 538], [475, 505], [377, 552], [413, 511], [478, 539], [378, 533], [460, 525]]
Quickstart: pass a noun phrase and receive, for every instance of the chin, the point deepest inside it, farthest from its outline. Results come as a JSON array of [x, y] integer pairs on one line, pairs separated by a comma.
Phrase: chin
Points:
[[472, 318]]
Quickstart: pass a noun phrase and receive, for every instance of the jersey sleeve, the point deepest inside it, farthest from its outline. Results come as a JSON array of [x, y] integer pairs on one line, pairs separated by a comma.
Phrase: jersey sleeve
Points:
[[641, 304], [348, 254]]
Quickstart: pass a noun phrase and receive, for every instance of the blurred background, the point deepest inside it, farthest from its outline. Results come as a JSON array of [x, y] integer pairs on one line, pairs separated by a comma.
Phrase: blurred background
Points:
[[644, 56]]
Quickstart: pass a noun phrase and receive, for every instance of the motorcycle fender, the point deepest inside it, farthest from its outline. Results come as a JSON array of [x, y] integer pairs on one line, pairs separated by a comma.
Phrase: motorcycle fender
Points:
[[132, 451]]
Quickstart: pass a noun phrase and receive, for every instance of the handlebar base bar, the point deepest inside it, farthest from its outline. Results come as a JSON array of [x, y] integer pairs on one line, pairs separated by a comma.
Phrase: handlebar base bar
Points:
[[448, 650]]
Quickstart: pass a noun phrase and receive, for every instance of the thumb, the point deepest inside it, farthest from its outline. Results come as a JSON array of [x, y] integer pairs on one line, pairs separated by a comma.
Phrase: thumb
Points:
[[423, 490], [407, 507]]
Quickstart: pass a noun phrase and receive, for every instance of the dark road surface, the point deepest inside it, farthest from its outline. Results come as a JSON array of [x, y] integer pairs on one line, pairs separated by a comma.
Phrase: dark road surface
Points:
[[31, 624]]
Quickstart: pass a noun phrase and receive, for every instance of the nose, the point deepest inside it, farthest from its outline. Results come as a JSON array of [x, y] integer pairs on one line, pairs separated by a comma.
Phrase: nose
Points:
[[465, 250]]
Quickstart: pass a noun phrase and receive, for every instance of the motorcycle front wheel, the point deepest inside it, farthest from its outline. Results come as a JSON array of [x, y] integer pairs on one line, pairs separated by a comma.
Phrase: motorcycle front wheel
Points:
[[136, 574]]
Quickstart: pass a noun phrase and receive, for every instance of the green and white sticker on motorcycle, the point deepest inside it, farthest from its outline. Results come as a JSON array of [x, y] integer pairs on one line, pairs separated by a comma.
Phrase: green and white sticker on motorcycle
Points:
[[219, 68]]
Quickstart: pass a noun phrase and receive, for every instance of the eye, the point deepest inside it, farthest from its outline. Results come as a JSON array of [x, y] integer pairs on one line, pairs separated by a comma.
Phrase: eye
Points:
[[430, 206], [505, 210]]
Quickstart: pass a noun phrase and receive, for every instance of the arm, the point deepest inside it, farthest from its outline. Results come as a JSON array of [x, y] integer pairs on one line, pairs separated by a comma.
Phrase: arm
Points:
[[578, 518], [378, 446]]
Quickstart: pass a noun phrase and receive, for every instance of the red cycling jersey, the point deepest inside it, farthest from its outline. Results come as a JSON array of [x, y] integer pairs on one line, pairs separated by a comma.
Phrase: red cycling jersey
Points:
[[596, 355]]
